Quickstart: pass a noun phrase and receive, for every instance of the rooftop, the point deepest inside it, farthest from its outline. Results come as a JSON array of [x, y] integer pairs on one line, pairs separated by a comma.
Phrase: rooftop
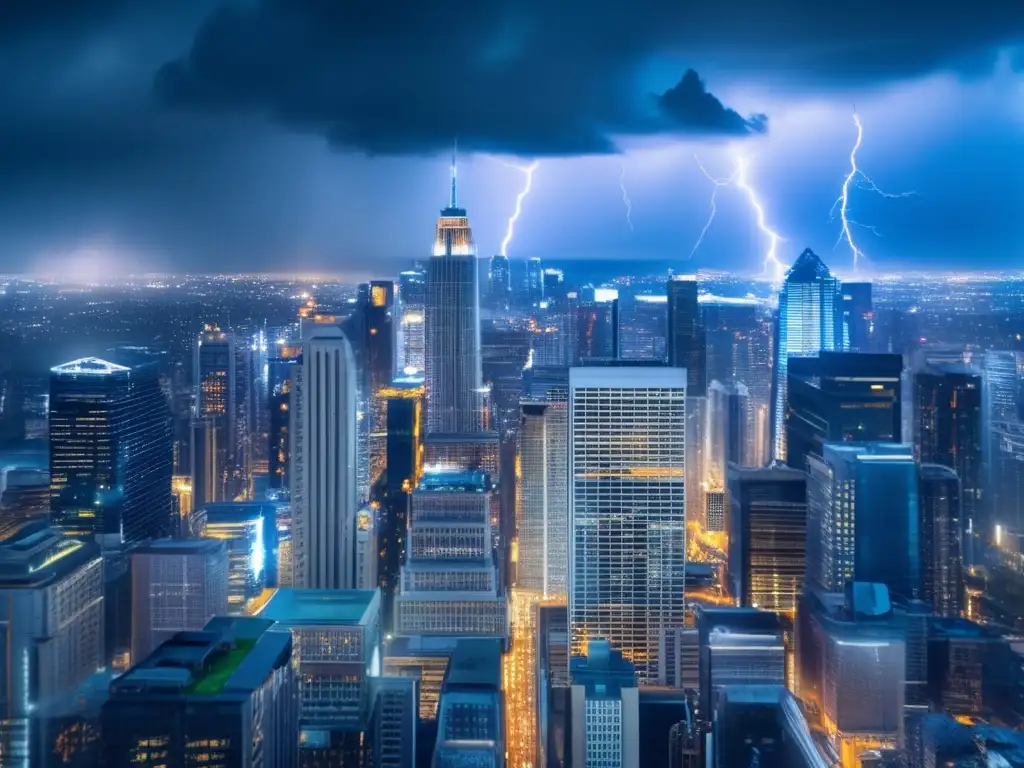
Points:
[[89, 365], [453, 481], [181, 547], [350, 607]]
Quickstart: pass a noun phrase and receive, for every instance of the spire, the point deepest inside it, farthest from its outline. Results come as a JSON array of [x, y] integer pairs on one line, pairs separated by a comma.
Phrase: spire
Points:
[[455, 152]]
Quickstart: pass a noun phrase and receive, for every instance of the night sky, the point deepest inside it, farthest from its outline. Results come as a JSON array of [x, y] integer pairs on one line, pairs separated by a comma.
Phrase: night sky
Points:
[[315, 135]]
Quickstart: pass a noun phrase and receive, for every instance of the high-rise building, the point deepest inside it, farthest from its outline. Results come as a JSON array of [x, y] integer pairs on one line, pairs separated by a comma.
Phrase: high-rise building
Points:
[[214, 417], [377, 371], [627, 533], [738, 646], [51, 606], [336, 634], [687, 346], [534, 281], [225, 695], [727, 429], [842, 397], [643, 328], [862, 517], [938, 499], [499, 283], [542, 499], [324, 496], [450, 583], [110, 451], [471, 710], [454, 403], [604, 708], [246, 528], [596, 325], [395, 720], [1005, 462], [280, 368], [767, 537], [177, 586], [553, 282], [552, 685], [858, 317], [810, 320], [411, 309], [947, 431]]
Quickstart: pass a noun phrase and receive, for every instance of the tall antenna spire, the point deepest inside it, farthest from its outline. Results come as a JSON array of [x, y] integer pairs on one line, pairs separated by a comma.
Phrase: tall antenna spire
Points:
[[455, 152]]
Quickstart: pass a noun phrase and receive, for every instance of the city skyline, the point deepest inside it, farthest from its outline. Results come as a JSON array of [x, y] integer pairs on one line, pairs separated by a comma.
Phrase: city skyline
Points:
[[172, 124]]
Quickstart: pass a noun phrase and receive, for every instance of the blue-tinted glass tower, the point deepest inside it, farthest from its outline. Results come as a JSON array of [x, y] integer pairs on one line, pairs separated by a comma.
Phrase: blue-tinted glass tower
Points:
[[810, 320], [110, 450]]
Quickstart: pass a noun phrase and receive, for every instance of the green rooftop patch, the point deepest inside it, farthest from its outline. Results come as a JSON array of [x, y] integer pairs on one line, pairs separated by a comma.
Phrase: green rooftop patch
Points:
[[213, 679]]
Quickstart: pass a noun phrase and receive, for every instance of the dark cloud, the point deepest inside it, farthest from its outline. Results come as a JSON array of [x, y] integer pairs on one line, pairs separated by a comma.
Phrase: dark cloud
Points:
[[689, 106]]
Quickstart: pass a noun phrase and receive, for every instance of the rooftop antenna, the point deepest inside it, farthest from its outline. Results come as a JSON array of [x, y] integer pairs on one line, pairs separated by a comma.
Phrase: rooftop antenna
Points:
[[455, 152]]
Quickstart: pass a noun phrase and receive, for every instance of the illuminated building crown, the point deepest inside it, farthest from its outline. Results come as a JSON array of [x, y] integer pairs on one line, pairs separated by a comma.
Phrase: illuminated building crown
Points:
[[453, 236]]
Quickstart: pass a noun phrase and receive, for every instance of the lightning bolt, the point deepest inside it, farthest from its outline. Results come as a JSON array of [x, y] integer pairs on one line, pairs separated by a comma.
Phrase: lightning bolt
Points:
[[857, 177], [718, 184], [771, 260], [527, 171], [625, 198]]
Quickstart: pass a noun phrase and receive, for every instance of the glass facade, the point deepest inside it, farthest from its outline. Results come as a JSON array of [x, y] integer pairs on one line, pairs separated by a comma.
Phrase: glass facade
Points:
[[941, 551], [810, 320], [687, 345], [627, 504], [110, 451]]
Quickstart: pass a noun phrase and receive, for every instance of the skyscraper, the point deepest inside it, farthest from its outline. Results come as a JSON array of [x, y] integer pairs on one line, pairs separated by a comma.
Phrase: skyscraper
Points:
[[110, 451], [604, 708], [627, 532], [810, 320], [687, 347], [842, 397], [51, 607], [947, 431], [542, 518], [534, 281], [858, 318], [454, 403], [409, 350], [323, 447], [215, 411], [499, 283], [378, 370], [767, 537], [176, 586], [862, 517], [941, 553]]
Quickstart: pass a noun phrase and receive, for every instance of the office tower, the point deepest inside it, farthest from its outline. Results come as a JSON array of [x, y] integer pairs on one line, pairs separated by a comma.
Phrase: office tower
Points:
[[552, 684], [505, 351], [643, 328], [337, 632], [471, 711], [366, 549], [698, 499], [410, 350], [395, 718], [627, 532], [404, 403], [853, 662], [534, 281], [215, 411], [376, 372], [177, 586], [938, 499], [604, 708], [225, 695], [810, 320], [947, 431], [51, 606], [725, 435], [449, 579], [546, 383], [24, 496], [280, 367], [323, 448], [542, 499], [862, 517], [554, 291], [1006, 475], [1003, 385], [767, 537], [738, 646], [760, 725], [729, 325], [687, 347], [452, 329], [499, 283], [858, 318], [596, 330], [841, 397], [244, 527], [110, 451]]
